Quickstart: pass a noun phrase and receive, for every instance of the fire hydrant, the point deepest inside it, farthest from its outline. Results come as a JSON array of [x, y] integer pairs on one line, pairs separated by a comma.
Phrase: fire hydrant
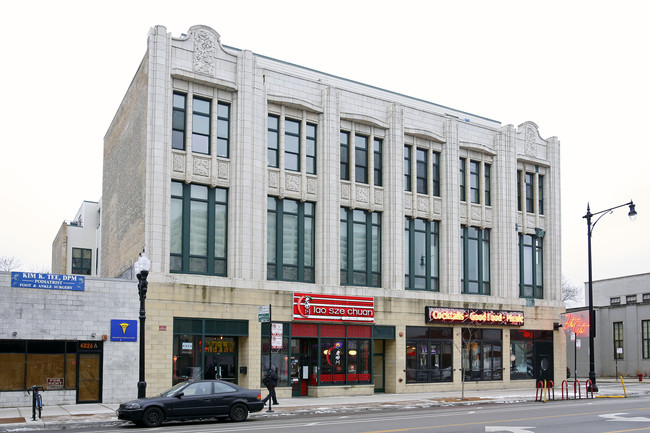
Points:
[[640, 377]]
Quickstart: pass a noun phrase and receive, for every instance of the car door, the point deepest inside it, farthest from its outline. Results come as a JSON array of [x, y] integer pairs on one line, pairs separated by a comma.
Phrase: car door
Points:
[[224, 395], [197, 401]]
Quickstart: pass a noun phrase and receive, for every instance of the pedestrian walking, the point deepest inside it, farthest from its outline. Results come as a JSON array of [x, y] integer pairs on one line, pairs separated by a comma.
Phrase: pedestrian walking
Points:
[[270, 381]]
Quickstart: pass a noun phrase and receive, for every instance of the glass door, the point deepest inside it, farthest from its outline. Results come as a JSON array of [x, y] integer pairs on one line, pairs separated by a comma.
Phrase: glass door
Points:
[[378, 365]]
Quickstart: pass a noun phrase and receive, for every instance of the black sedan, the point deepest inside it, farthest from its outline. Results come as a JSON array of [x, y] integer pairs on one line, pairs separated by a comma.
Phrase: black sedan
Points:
[[192, 400]]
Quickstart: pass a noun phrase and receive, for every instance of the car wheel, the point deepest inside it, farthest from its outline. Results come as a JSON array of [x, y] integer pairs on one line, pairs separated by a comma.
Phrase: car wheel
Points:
[[152, 417], [239, 412]]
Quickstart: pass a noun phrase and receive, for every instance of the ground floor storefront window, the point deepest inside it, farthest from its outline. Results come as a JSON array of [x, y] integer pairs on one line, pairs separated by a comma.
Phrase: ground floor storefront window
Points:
[[206, 349], [319, 354], [428, 354], [54, 365], [482, 354], [531, 354]]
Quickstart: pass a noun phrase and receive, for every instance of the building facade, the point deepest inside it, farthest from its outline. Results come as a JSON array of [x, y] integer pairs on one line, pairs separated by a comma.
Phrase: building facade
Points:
[[401, 246], [75, 336], [622, 341], [75, 249]]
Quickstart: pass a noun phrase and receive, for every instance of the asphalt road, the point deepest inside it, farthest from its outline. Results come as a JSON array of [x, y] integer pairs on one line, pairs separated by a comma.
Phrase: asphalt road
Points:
[[610, 415]]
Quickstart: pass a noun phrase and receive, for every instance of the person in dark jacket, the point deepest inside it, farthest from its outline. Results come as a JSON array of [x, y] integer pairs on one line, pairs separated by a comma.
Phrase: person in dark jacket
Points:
[[271, 381]]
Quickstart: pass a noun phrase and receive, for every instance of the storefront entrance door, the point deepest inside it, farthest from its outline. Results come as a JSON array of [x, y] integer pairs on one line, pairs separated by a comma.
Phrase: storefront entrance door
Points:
[[89, 371], [303, 365]]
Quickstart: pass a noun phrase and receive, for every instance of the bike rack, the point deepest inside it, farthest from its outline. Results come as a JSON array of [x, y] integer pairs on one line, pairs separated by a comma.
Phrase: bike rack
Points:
[[551, 387], [576, 386], [565, 386], [589, 388], [539, 392]]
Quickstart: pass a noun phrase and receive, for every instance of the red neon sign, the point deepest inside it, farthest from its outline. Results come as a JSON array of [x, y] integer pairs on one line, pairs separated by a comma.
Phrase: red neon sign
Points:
[[577, 322], [333, 308], [474, 317]]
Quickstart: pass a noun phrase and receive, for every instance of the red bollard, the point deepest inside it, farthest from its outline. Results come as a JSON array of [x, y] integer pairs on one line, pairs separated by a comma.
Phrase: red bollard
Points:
[[640, 377]]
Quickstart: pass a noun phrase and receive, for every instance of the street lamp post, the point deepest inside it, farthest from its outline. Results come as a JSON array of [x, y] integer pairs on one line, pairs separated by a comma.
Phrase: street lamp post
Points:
[[592, 321], [141, 268]]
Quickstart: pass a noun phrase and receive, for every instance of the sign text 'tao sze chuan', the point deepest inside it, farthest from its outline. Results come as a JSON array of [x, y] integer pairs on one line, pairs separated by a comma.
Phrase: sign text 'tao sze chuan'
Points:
[[333, 308]]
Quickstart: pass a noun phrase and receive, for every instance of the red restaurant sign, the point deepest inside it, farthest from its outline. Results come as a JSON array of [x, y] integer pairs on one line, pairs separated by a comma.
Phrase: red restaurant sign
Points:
[[473, 317], [577, 322], [333, 308]]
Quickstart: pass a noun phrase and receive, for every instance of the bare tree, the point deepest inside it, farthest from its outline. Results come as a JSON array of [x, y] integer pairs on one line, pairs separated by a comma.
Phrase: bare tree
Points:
[[9, 263], [571, 293], [468, 337]]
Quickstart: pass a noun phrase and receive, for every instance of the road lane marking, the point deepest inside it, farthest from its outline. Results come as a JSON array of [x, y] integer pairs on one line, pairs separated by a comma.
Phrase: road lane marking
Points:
[[617, 417]]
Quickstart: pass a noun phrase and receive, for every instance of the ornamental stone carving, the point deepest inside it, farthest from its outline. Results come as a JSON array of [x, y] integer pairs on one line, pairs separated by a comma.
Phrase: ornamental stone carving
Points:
[[488, 215], [531, 141], [178, 163], [379, 197], [204, 52], [345, 191], [437, 207], [274, 179], [476, 214], [311, 186], [423, 204], [223, 169], [292, 183], [362, 195], [201, 167]]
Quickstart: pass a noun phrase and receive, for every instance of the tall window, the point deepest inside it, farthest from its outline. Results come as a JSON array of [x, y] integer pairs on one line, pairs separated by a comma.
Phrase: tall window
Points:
[[618, 340], [407, 168], [273, 141], [377, 170], [487, 168], [292, 145], [198, 229], [178, 121], [540, 194], [360, 248], [435, 173], [290, 240], [475, 266], [82, 261], [461, 179], [310, 148], [421, 259], [223, 129], [519, 190], [345, 155], [201, 113], [421, 171], [428, 354], [531, 267], [361, 159], [645, 338], [528, 185], [474, 181]]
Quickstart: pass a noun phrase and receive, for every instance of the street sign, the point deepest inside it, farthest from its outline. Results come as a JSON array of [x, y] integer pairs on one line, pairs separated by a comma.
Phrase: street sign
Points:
[[263, 313]]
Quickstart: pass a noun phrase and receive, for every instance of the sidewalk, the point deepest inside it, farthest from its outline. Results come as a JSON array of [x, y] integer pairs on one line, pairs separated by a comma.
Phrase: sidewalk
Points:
[[15, 419]]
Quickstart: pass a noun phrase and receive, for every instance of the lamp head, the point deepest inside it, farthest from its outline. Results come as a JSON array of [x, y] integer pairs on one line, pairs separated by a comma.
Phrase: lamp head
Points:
[[142, 265], [632, 212]]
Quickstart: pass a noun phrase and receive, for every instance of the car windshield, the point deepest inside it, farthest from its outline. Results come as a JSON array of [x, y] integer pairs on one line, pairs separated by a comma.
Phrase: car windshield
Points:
[[174, 389]]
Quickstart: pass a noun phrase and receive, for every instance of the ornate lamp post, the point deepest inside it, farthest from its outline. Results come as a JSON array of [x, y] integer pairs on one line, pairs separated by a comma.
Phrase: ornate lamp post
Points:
[[592, 321], [141, 268]]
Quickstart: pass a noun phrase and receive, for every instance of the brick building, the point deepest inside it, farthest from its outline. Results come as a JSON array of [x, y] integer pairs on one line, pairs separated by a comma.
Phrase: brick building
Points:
[[403, 246]]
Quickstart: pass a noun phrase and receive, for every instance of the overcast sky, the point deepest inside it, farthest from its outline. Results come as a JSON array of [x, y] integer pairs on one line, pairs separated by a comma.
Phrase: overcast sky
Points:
[[579, 69]]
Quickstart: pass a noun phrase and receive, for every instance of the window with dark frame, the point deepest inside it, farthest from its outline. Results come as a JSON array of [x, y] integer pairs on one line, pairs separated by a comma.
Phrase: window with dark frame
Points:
[[82, 261], [474, 182], [223, 129], [360, 248], [361, 159], [421, 247], [646, 297], [198, 229], [421, 169], [178, 121], [615, 301], [540, 194], [528, 185], [482, 354], [429, 354], [487, 168], [273, 141], [407, 168], [344, 138], [618, 340], [630, 299], [461, 179], [531, 267], [475, 264], [378, 162], [290, 240], [201, 114], [645, 338]]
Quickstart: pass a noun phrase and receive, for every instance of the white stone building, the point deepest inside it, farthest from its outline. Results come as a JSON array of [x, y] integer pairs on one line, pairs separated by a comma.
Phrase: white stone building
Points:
[[401, 245], [75, 249]]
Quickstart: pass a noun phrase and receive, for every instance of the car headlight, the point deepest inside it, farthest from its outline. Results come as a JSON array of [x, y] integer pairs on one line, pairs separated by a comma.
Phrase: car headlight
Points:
[[133, 405]]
